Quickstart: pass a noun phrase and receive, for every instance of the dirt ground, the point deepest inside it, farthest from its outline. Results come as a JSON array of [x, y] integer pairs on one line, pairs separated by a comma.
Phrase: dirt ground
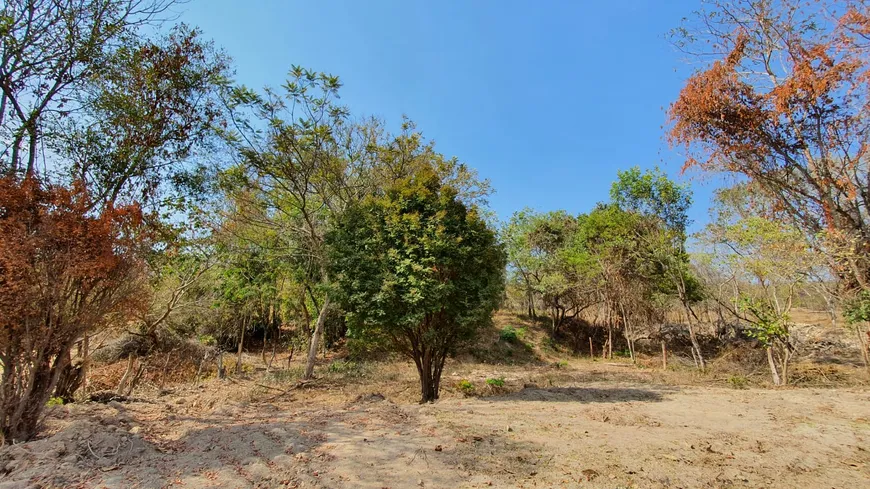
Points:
[[589, 425]]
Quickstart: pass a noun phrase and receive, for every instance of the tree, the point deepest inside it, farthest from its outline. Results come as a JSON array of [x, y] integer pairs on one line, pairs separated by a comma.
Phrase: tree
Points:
[[419, 266], [550, 264], [664, 205], [88, 95], [523, 265], [762, 262], [784, 104], [613, 239], [302, 162], [64, 273]]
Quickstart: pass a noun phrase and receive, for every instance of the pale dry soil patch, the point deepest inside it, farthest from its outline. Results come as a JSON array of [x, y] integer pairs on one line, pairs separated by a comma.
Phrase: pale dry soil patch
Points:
[[574, 431]]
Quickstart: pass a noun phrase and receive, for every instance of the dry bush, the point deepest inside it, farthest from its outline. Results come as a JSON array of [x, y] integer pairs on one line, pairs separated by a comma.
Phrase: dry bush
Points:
[[165, 368], [65, 271]]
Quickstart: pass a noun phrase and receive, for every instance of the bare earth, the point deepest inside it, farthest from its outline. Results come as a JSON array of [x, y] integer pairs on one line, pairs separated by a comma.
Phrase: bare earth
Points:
[[566, 430]]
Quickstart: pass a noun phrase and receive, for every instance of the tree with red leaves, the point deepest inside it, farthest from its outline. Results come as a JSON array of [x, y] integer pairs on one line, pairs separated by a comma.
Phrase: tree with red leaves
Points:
[[63, 273], [785, 103]]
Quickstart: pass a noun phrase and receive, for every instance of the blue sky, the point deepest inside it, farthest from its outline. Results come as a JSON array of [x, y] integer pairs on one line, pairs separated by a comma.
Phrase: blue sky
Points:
[[547, 99]]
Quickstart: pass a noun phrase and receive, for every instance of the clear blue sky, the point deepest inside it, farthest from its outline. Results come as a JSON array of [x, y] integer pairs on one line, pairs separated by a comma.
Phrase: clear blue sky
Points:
[[547, 99]]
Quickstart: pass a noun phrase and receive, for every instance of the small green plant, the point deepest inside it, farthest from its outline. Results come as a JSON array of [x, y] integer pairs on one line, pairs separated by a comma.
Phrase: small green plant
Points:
[[509, 334], [738, 382], [622, 353], [207, 340], [54, 401], [466, 387], [560, 364], [496, 382]]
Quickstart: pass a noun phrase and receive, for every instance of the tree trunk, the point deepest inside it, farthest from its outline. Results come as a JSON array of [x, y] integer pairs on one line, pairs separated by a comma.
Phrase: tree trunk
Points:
[[427, 384], [626, 331], [315, 340], [241, 345], [222, 371], [786, 356], [591, 350], [702, 364], [664, 355], [86, 358], [429, 367], [122, 385], [772, 363]]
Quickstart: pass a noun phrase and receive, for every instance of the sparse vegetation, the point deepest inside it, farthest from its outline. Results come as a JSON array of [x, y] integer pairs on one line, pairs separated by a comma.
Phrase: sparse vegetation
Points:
[[466, 387]]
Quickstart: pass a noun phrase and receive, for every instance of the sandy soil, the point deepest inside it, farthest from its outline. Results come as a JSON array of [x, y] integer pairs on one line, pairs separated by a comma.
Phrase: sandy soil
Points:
[[574, 428]]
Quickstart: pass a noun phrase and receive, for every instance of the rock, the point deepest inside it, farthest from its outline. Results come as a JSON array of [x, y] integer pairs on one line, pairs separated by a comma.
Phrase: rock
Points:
[[438, 448], [259, 470]]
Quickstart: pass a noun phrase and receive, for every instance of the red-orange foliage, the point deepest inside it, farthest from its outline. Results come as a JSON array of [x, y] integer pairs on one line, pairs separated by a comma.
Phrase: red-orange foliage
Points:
[[63, 273], [788, 106]]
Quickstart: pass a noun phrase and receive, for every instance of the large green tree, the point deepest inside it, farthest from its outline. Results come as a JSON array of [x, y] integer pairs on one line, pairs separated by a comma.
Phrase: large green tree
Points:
[[302, 161], [419, 266]]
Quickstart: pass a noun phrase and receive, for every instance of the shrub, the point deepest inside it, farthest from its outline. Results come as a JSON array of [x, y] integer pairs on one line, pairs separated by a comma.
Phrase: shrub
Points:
[[509, 334], [54, 401], [560, 364], [207, 340], [738, 382], [466, 387], [496, 382], [67, 271]]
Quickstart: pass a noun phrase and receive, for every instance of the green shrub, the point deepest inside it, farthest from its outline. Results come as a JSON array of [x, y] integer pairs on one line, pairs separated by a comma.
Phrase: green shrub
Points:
[[560, 364], [738, 382], [508, 334], [497, 382], [54, 401], [207, 340], [466, 387]]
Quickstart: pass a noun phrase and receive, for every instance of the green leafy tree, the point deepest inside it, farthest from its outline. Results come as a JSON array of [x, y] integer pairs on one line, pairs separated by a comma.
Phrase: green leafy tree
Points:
[[302, 162], [662, 205], [419, 266], [550, 264]]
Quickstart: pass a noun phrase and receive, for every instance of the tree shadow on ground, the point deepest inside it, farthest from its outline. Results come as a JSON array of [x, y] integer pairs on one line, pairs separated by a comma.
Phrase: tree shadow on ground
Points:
[[583, 395]]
